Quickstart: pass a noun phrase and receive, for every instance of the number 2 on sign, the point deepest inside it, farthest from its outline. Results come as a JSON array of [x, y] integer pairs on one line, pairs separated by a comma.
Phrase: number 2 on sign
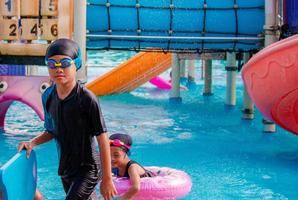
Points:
[[13, 28]]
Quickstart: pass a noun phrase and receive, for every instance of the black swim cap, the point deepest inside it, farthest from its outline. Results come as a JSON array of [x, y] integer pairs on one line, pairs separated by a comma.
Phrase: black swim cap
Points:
[[126, 139], [65, 47]]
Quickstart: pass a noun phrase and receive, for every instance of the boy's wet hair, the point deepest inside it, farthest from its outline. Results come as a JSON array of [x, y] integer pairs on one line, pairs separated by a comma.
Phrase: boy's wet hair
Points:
[[65, 47], [126, 139]]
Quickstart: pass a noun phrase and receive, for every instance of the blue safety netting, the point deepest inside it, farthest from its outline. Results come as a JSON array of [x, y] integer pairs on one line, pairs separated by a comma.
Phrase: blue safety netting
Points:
[[175, 24]]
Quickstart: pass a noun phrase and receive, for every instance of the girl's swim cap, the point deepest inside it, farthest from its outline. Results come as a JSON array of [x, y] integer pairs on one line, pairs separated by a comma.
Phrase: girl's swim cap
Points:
[[65, 47], [126, 139]]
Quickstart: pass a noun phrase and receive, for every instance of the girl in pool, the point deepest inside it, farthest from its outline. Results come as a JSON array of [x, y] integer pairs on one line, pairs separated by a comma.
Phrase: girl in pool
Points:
[[120, 145]]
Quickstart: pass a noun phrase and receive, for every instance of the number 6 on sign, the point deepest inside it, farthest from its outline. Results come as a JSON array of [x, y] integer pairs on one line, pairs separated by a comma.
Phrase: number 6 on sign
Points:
[[48, 29], [9, 7]]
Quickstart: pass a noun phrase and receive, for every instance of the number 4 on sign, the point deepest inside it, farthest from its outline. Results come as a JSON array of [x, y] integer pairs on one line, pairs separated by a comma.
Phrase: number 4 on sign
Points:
[[29, 29]]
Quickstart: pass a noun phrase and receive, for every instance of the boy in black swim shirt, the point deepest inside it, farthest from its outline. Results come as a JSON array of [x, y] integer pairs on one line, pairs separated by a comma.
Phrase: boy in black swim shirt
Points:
[[73, 117]]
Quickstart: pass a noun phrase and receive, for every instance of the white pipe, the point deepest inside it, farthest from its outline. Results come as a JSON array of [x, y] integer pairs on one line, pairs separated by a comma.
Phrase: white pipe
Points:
[[270, 38], [31, 70], [268, 126], [182, 69], [208, 77], [202, 69], [79, 35], [270, 22], [248, 106], [171, 37], [191, 68], [175, 92], [231, 79]]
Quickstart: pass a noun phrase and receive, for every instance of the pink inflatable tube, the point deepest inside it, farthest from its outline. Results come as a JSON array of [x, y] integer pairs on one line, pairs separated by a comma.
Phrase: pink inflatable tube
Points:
[[168, 184], [161, 83]]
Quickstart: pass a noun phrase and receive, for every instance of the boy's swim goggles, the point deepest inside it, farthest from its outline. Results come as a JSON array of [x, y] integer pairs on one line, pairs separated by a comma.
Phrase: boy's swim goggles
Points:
[[119, 143], [63, 63]]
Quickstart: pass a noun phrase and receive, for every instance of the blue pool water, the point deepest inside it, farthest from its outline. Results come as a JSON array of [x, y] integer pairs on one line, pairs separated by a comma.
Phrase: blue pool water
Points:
[[226, 157]]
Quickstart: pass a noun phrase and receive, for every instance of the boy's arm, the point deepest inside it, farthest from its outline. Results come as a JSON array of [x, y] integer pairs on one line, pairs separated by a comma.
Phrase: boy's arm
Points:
[[107, 187], [135, 182], [40, 139]]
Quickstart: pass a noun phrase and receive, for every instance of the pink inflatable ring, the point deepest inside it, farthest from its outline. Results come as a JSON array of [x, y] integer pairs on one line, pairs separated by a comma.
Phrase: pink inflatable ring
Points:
[[167, 184]]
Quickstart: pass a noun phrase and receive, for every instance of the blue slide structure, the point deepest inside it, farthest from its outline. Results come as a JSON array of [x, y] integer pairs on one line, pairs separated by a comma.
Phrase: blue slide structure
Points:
[[18, 177], [189, 25]]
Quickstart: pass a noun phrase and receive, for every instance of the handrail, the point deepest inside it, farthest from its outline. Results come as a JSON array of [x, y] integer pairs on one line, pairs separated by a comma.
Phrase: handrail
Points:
[[172, 37]]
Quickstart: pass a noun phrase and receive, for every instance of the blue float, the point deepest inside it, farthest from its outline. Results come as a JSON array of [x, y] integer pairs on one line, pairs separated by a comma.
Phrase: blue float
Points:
[[18, 177], [175, 24]]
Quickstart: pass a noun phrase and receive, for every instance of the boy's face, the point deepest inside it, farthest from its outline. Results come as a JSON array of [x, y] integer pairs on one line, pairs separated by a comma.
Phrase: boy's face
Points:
[[118, 156], [62, 75]]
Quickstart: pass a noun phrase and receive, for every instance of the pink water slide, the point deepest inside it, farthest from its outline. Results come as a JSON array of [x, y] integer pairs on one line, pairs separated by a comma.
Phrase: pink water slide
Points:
[[161, 83], [272, 82]]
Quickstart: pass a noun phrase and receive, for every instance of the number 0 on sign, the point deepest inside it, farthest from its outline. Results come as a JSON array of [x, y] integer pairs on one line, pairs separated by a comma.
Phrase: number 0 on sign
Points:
[[30, 8]]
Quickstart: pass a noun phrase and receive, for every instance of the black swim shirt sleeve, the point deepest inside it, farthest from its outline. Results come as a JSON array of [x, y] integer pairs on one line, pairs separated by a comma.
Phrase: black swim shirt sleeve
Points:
[[95, 115]]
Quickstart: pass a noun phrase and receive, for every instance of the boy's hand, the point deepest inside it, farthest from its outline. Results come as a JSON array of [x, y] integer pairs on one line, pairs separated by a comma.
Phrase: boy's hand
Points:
[[107, 189], [25, 145]]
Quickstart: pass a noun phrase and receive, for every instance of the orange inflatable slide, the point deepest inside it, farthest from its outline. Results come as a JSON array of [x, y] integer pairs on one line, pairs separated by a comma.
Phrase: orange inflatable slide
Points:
[[131, 74], [271, 79]]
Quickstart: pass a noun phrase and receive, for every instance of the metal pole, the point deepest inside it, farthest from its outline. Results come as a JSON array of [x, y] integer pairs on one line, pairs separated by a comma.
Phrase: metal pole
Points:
[[182, 69], [231, 69], [175, 92], [270, 38], [248, 106], [191, 71], [270, 22], [80, 8], [208, 77], [202, 69], [31, 70], [170, 37]]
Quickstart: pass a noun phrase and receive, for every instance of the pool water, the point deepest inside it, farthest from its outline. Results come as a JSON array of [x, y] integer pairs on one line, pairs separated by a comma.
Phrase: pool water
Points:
[[226, 157]]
